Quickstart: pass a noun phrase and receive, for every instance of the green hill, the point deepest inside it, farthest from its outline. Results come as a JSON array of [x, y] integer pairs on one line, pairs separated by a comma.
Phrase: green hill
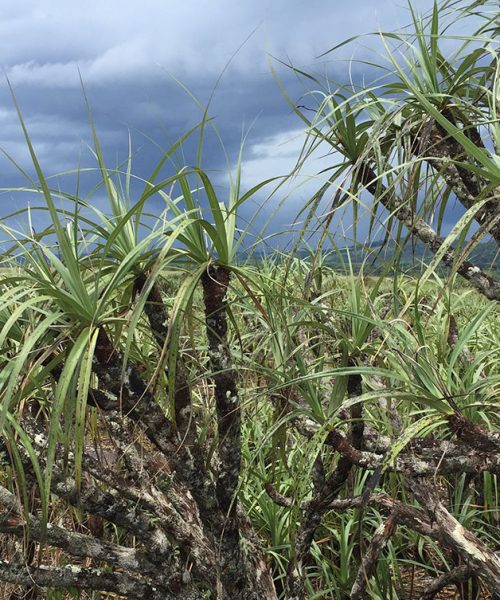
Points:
[[412, 257]]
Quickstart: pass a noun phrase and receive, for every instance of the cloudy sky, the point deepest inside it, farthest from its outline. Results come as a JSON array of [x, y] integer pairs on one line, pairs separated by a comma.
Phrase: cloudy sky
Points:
[[133, 57]]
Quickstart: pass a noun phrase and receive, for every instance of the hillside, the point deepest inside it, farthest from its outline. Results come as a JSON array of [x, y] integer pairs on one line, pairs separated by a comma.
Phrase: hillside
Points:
[[410, 258]]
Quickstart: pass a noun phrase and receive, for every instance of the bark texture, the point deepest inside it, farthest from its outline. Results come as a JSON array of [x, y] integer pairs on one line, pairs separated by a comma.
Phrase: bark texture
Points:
[[184, 533]]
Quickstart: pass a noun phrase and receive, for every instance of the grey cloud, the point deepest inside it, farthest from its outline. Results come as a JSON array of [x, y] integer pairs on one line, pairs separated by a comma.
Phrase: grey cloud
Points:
[[113, 41], [126, 52]]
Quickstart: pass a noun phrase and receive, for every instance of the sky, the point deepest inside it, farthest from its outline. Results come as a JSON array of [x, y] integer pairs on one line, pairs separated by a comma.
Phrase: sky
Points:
[[142, 62]]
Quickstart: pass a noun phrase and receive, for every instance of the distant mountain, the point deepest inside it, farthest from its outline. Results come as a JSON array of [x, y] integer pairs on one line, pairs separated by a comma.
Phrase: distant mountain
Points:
[[486, 255], [412, 257]]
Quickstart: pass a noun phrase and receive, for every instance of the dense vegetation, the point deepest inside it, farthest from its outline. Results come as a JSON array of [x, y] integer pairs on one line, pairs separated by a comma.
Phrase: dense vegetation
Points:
[[176, 423]]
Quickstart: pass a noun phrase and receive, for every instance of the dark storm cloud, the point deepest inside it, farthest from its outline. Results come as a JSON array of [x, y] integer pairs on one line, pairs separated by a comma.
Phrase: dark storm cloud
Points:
[[127, 52]]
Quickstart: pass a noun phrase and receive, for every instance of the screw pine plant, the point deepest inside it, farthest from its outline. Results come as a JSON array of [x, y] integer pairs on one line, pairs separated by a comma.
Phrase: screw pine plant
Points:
[[101, 319], [426, 133], [176, 423]]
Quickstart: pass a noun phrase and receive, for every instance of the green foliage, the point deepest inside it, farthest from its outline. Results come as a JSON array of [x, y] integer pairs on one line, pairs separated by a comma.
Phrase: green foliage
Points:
[[300, 329]]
